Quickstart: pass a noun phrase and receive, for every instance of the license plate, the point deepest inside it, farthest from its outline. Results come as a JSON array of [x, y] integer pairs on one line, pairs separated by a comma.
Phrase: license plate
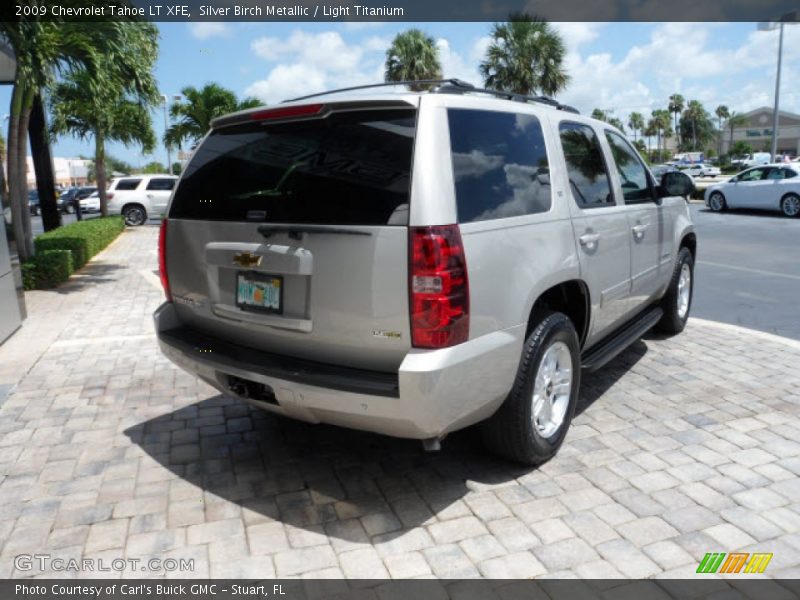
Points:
[[255, 291]]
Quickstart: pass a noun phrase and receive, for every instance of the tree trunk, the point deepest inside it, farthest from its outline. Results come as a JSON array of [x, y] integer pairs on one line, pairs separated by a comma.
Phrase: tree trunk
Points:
[[17, 179], [100, 171], [22, 148], [43, 166]]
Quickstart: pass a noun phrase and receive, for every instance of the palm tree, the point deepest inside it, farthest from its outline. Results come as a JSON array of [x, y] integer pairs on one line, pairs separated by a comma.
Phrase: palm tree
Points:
[[43, 51], [615, 122], [694, 112], [722, 113], [102, 104], [194, 113], [660, 122], [526, 56], [598, 114], [412, 56], [636, 123], [734, 120], [100, 116], [675, 107]]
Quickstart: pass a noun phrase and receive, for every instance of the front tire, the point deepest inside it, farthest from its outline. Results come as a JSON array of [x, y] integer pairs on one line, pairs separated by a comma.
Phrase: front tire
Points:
[[134, 215], [716, 202], [533, 421], [677, 302], [790, 205]]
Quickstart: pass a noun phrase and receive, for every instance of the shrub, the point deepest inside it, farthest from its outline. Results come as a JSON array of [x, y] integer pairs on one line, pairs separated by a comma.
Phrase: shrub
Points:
[[83, 239], [61, 251], [48, 269]]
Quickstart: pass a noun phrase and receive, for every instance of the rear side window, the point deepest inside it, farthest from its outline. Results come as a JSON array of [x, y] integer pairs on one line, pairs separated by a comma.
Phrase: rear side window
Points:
[[632, 173], [126, 185], [163, 184], [499, 165], [586, 168], [350, 168]]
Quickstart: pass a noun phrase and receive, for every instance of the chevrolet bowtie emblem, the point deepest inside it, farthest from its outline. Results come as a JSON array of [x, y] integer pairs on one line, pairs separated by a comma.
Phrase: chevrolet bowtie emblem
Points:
[[246, 259]]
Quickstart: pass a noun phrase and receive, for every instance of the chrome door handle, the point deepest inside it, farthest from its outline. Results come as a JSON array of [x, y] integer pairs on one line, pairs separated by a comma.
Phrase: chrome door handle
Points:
[[638, 231], [589, 240], [150, 195]]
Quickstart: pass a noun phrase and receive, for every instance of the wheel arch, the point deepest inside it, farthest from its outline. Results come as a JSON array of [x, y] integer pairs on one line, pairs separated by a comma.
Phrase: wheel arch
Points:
[[570, 297]]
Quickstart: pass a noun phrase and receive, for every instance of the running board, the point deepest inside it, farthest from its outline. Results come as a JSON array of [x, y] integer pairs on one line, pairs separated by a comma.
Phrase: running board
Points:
[[607, 349]]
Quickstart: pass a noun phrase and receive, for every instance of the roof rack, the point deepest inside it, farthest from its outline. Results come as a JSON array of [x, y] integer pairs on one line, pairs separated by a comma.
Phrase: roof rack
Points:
[[449, 86]]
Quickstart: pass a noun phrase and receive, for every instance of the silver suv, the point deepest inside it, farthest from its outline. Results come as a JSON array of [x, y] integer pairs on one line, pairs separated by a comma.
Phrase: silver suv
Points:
[[414, 263]]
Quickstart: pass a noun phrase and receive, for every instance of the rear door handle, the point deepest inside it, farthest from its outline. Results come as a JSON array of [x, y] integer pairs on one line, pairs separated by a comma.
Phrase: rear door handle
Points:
[[589, 240], [638, 231], [150, 196]]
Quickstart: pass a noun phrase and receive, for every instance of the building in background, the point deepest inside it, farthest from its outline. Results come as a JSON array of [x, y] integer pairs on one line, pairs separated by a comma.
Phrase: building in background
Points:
[[758, 132], [68, 171]]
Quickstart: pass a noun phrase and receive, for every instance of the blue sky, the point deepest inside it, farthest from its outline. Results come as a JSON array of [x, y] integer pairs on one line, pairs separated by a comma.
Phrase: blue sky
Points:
[[619, 67]]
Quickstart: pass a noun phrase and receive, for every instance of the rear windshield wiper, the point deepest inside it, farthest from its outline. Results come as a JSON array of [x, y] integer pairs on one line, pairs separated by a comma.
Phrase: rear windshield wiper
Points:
[[296, 231]]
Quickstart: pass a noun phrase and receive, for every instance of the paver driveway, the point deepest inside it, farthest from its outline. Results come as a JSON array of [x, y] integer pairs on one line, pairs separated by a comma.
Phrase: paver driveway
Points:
[[683, 446]]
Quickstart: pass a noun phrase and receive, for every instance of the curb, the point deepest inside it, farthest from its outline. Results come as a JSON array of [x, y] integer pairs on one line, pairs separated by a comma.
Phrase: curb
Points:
[[767, 337]]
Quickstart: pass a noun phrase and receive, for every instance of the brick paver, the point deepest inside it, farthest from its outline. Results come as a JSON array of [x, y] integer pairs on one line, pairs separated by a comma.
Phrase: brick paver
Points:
[[108, 450]]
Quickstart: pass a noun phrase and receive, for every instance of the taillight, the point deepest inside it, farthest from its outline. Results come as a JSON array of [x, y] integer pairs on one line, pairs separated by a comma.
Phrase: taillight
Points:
[[439, 290], [109, 196], [286, 112], [162, 259]]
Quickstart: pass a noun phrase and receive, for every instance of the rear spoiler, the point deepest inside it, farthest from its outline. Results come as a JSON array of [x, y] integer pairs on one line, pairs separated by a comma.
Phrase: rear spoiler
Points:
[[283, 113]]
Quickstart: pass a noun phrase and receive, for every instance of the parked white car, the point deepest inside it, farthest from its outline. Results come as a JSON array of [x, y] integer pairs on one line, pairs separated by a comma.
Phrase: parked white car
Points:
[[702, 170], [769, 187], [139, 197], [90, 204]]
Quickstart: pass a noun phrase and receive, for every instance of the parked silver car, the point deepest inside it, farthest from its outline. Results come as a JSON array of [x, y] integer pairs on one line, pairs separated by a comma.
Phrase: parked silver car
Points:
[[415, 263]]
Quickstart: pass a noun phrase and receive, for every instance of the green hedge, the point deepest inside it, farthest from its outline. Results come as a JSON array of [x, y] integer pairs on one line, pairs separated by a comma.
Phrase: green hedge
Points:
[[61, 251], [48, 269], [83, 238]]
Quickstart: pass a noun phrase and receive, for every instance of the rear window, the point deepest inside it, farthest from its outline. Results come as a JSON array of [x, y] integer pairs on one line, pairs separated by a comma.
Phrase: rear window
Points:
[[499, 164], [126, 185], [351, 168]]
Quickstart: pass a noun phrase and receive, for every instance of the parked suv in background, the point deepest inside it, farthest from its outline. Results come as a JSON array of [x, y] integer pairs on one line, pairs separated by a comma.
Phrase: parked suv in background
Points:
[[139, 197], [414, 263]]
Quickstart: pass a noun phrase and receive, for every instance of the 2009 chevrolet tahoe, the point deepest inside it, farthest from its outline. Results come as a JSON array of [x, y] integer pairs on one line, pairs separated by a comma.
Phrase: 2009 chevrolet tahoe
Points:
[[414, 263]]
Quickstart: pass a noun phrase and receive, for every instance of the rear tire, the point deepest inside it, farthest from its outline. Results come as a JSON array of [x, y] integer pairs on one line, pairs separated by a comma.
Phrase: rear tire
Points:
[[677, 302], [716, 202], [790, 206], [135, 215], [533, 421]]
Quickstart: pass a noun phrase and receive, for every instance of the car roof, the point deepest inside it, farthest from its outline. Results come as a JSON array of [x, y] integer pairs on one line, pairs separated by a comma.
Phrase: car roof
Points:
[[379, 93]]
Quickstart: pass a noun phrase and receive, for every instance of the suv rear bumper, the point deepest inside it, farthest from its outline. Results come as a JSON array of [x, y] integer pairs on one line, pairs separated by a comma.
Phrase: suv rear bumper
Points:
[[432, 393]]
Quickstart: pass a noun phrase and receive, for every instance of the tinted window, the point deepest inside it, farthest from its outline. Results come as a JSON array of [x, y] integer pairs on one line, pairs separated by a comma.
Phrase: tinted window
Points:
[[632, 173], [586, 168], [499, 165], [350, 168], [127, 184], [161, 184], [788, 174]]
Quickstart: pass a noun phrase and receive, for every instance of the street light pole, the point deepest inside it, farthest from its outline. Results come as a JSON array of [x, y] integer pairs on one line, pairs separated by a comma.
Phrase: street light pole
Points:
[[790, 17], [777, 96], [166, 125]]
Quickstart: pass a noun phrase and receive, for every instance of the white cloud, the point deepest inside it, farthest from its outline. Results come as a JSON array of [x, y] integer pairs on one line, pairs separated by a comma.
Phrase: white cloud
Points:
[[305, 63], [209, 29]]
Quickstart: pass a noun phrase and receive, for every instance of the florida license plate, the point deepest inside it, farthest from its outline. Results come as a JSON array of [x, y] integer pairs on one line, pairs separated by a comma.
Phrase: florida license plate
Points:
[[255, 291]]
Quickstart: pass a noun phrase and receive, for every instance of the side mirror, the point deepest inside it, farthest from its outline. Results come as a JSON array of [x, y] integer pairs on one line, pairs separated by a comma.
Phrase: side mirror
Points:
[[675, 183]]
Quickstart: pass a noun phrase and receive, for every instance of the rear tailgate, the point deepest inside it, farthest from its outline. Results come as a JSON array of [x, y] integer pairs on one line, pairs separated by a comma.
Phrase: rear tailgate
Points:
[[290, 235]]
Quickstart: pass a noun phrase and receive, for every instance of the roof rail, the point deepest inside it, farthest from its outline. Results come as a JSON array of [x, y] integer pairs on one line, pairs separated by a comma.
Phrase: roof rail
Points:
[[454, 82], [449, 86]]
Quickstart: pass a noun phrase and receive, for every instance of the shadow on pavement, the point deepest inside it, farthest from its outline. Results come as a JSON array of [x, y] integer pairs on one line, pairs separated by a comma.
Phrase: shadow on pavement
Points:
[[319, 476], [89, 276]]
